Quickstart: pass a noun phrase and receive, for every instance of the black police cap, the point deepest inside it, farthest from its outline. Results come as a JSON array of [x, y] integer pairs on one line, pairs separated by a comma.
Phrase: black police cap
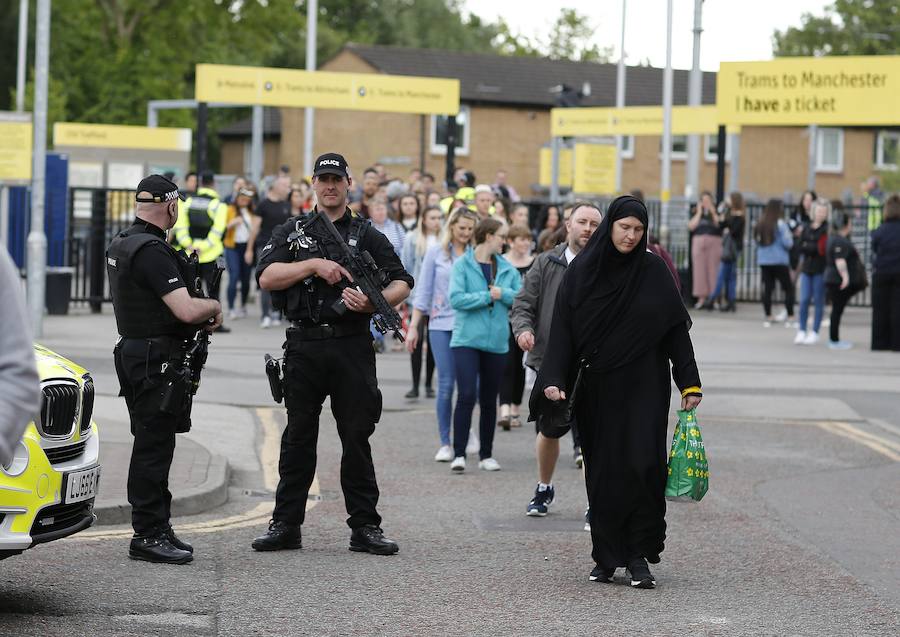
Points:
[[161, 190], [331, 164]]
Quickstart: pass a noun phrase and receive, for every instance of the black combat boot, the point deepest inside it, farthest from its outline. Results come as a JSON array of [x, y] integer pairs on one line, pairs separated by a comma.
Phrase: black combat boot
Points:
[[280, 536], [156, 547], [370, 539], [177, 542]]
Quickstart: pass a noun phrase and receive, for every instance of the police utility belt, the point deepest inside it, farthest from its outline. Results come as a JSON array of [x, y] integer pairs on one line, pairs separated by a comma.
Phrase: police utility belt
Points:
[[309, 331]]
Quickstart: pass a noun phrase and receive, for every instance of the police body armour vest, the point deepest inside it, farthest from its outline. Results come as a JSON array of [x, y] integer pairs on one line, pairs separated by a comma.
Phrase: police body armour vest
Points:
[[200, 218], [140, 313]]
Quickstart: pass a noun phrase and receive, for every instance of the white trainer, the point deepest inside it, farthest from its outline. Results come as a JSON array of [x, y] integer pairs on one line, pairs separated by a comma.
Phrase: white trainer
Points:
[[489, 464], [781, 316], [458, 465], [474, 445], [800, 339], [266, 323], [444, 454], [811, 338]]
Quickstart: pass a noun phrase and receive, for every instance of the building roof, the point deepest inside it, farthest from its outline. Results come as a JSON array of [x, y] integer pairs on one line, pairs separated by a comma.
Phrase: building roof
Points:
[[243, 128], [526, 81], [510, 81]]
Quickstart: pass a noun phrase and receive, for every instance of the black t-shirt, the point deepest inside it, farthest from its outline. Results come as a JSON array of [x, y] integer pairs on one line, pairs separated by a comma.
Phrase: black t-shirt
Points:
[[371, 240], [272, 214], [155, 267], [707, 225], [840, 247], [812, 248]]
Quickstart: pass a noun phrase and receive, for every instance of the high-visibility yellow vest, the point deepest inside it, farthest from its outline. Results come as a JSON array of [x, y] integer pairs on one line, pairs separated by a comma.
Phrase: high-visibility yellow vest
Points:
[[875, 212], [208, 243]]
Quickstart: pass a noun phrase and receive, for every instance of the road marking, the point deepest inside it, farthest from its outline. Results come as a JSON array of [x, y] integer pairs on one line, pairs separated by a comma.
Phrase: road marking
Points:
[[260, 514], [885, 447]]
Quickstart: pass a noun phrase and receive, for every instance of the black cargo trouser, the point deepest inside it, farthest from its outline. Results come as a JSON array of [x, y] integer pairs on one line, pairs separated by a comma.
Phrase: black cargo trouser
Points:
[[142, 378], [343, 368]]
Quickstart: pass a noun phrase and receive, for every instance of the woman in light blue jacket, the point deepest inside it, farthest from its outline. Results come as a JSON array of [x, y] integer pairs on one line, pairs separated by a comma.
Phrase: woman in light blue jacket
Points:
[[483, 286], [774, 240]]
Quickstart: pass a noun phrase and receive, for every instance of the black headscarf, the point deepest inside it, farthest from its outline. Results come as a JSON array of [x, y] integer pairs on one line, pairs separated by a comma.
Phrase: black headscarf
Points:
[[611, 307]]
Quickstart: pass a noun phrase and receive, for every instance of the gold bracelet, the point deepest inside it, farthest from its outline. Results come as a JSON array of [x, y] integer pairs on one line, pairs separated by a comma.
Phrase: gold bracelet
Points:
[[690, 390]]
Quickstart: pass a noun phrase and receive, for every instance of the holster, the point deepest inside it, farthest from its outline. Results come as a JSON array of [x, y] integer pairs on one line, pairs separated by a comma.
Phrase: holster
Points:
[[276, 382]]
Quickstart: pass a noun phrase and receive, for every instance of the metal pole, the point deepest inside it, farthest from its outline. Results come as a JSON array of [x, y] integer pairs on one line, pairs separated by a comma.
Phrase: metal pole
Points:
[[813, 132], [23, 53], [256, 145], [309, 119], [450, 168], [695, 94], [554, 171], [201, 137], [720, 166], [620, 100], [4, 216], [36, 263], [666, 177], [734, 143]]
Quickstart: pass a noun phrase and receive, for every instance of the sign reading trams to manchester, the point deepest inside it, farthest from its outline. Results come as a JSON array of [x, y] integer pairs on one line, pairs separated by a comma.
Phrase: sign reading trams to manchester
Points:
[[323, 89], [841, 91], [632, 120]]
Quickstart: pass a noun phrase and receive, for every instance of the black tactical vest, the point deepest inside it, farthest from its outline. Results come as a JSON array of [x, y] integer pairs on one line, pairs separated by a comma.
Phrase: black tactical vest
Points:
[[140, 313], [199, 218]]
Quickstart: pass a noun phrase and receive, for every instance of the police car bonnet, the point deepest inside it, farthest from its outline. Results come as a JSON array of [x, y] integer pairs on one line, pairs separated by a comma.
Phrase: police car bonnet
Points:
[[331, 164]]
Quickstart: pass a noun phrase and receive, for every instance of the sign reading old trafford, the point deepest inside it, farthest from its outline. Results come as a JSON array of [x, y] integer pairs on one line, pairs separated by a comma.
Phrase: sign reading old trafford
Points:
[[840, 91], [324, 89]]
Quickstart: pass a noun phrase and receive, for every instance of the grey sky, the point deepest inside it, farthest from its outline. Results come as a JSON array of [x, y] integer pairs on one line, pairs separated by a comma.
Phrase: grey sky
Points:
[[732, 30]]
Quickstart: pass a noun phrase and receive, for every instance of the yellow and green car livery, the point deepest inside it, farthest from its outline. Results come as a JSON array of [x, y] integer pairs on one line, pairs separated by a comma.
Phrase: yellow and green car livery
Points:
[[47, 492]]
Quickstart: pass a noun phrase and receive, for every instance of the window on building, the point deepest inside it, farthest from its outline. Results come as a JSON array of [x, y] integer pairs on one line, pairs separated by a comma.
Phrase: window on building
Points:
[[439, 132], [887, 145], [830, 150], [711, 148], [627, 146], [679, 146]]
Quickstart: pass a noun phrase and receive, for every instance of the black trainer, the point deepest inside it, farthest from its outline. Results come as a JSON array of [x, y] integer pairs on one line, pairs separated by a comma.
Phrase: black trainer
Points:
[[602, 574], [177, 542], [429, 392], [157, 548], [370, 539], [412, 393], [541, 502], [641, 577], [280, 536]]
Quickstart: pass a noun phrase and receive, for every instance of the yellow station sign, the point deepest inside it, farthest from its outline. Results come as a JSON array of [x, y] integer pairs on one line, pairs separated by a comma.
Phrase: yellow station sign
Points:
[[545, 175], [324, 89], [595, 169], [838, 90], [115, 136], [15, 150], [632, 120]]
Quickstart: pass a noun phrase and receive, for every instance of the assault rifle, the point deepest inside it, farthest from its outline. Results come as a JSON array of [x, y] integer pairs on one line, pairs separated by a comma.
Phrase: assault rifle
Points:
[[183, 384], [368, 278]]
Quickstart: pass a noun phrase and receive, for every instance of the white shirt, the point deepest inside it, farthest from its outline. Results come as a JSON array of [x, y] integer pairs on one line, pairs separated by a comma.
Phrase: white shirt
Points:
[[242, 231], [569, 255]]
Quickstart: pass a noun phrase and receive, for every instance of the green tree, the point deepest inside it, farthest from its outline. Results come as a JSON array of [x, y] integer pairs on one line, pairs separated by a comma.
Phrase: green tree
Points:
[[570, 39], [847, 27]]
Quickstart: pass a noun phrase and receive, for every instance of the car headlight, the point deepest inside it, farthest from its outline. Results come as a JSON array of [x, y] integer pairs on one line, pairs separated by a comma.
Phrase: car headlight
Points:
[[19, 462]]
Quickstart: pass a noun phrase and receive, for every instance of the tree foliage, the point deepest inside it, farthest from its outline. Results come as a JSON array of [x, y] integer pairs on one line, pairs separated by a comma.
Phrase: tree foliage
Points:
[[847, 27]]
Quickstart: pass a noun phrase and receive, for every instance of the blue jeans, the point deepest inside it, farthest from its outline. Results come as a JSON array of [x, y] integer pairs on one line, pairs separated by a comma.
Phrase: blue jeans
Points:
[[812, 286], [238, 272], [439, 342], [727, 280], [478, 374]]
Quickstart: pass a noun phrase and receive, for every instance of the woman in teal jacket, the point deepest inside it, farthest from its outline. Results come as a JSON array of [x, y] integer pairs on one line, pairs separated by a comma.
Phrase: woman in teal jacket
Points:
[[482, 287]]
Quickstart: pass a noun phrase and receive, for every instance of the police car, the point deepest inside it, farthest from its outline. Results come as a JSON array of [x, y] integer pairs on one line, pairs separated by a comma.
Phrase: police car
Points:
[[47, 491]]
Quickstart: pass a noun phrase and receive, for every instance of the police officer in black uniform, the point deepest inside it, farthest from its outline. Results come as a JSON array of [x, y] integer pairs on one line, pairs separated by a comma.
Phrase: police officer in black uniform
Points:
[[156, 318], [328, 353]]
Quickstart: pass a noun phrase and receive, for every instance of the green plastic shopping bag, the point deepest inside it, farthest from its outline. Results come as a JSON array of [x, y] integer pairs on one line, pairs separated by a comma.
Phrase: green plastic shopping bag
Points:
[[688, 467]]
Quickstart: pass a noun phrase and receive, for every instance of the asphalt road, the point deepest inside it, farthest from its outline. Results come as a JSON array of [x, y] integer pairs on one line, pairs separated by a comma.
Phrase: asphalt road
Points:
[[798, 535]]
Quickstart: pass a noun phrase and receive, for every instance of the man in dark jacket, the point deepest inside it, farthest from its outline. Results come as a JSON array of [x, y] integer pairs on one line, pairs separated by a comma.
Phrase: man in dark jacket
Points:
[[531, 316]]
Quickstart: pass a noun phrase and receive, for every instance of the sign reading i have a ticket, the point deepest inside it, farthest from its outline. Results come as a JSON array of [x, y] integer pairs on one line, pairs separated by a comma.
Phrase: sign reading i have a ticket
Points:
[[837, 90], [324, 89]]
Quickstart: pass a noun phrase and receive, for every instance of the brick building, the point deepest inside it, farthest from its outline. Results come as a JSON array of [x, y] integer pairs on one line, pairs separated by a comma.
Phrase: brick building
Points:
[[504, 122]]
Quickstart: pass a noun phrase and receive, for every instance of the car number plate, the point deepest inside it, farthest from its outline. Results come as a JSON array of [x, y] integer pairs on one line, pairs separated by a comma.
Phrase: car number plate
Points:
[[82, 485]]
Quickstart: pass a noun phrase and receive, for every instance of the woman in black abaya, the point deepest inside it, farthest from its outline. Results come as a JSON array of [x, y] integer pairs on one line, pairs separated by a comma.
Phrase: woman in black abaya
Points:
[[619, 319]]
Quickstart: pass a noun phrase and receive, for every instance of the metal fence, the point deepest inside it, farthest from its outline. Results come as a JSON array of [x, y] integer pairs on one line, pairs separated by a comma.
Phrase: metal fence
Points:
[[749, 279]]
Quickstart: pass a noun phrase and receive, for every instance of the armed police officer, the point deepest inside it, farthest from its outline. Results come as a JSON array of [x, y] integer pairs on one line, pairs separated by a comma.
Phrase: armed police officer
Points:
[[329, 352], [157, 319]]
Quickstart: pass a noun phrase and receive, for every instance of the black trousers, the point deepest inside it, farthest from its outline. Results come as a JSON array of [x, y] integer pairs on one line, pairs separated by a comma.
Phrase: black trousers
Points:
[[886, 312], [839, 300], [142, 380], [415, 358], [769, 275], [513, 383], [343, 368]]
